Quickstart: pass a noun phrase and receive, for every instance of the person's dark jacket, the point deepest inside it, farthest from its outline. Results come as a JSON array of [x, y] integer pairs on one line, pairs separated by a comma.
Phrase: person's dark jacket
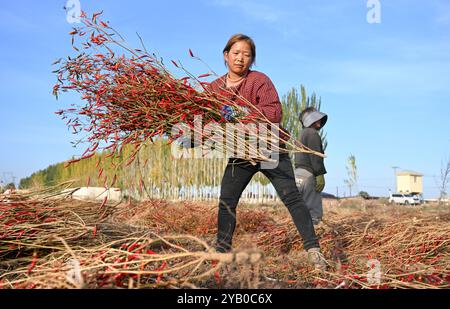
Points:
[[310, 162]]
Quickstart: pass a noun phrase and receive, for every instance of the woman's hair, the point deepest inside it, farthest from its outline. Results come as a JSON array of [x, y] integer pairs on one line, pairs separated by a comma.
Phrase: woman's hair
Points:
[[241, 37]]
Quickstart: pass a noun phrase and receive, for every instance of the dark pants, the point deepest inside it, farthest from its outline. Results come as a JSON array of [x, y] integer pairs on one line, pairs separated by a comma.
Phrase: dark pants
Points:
[[238, 174]]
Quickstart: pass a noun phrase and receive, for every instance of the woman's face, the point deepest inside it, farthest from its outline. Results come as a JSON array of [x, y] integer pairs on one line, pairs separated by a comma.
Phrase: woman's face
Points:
[[239, 58], [317, 125]]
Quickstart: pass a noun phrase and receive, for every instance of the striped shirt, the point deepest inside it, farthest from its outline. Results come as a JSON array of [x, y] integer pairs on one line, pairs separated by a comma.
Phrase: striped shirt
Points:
[[258, 89]]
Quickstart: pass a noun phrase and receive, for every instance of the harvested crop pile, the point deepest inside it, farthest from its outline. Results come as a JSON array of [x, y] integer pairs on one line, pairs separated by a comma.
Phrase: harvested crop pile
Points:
[[370, 251], [160, 244], [60, 249], [38, 221]]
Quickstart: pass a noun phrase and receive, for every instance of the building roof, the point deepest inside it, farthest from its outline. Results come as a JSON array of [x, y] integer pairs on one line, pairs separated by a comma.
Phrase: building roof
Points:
[[409, 173]]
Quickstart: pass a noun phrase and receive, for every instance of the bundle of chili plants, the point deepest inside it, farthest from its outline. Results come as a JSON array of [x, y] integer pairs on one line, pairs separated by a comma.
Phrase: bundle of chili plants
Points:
[[34, 222], [132, 98], [51, 241], [148, 261]]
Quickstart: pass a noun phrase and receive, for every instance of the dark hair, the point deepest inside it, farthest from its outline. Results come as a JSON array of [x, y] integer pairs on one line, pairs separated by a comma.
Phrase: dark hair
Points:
[[241, 37], [307, 110]]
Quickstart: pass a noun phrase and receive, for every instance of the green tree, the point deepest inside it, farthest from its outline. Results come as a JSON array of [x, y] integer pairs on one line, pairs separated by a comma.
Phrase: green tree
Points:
[[364, 195], [352, 173], [445, 177]]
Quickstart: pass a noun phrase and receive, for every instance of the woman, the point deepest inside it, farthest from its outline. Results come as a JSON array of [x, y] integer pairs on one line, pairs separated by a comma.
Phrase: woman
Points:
[[239, 54], [310, 169]]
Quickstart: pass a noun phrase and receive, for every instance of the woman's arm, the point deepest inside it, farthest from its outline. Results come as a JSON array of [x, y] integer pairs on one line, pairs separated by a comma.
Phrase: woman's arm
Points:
[[268, 102], [314, 142], [264, 97]]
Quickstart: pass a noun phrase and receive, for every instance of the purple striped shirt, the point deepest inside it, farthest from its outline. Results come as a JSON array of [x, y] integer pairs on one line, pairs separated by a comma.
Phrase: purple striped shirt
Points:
[[258, 89]]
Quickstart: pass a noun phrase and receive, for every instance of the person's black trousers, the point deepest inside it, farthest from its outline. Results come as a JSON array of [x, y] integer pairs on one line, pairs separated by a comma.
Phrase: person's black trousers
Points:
[[237, 175]]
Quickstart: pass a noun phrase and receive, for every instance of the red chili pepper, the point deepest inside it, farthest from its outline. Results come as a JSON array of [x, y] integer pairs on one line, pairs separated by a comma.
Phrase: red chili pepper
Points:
[[163, 266], [104, 202], [216, 274], [132, 257], [67, 164], [85, 152], [94, 17], [133, 246], [141, 185], [33, 263], [204, 75], [88, 156]]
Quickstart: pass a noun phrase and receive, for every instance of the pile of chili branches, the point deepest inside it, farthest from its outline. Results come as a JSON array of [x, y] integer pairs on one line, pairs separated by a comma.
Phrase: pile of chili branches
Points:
[[368, 251], [57, 243], [131, 98], [148, 261], [378, 247], [38, 220], [49, 241]]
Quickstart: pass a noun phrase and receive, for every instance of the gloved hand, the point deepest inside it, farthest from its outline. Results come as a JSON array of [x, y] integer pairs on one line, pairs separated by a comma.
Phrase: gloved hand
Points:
[[320, 183], [231, 112], [228, 113]]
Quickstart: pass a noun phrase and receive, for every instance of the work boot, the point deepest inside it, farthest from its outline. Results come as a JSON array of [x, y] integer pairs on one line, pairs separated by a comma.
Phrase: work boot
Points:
[[316, 258]]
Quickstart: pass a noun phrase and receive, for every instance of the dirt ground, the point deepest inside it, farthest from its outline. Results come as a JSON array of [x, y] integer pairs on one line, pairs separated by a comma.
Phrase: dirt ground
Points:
[[161, 244]]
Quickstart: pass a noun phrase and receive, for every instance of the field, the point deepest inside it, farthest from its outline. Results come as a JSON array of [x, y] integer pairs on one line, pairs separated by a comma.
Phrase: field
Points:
[[52, 241]]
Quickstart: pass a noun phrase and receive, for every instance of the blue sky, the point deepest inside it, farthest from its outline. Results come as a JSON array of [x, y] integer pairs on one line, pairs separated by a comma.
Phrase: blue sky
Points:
[[386, 87]]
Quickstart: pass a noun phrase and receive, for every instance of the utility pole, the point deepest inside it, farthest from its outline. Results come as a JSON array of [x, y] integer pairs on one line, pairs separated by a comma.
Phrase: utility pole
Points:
[[395, 177]]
